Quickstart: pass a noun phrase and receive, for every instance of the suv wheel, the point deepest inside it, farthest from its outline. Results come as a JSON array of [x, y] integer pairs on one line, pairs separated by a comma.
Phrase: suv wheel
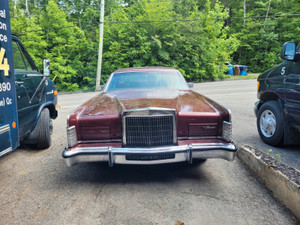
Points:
[[44, 130], [270, 123]]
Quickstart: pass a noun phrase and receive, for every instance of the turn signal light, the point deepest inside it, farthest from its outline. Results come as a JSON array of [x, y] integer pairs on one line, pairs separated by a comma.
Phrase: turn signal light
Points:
[[227, 131], [257, 86], [72, 136], [55, 92]]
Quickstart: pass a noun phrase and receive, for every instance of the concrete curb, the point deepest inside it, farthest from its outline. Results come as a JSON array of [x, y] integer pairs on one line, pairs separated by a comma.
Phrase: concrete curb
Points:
[[281, 179]]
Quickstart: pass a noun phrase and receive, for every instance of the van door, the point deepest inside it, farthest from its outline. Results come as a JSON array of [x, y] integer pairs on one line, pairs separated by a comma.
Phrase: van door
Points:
[[27, 80], [292, 90], [9, 139]]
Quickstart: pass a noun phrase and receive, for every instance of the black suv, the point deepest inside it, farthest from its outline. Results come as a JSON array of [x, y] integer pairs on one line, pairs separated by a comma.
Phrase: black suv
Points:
[[36, 99], [278, 108]]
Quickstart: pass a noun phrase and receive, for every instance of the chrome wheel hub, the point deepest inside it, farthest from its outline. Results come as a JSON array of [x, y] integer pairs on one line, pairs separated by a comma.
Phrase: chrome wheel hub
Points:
[[267, 123]]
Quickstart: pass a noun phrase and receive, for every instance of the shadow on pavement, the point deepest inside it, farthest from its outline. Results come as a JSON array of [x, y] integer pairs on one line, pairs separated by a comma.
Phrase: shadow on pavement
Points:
[[101, 173]]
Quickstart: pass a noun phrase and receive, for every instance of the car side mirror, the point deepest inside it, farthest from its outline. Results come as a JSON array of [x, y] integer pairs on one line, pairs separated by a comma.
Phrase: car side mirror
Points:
[[191, 85], [46, 64], [288, 51]]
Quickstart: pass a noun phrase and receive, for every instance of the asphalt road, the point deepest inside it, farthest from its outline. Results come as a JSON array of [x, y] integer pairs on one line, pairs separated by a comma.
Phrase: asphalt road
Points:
[[36, 187]]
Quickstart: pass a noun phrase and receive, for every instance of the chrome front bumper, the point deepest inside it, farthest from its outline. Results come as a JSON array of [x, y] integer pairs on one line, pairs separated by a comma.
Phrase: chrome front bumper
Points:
[[149, 156]]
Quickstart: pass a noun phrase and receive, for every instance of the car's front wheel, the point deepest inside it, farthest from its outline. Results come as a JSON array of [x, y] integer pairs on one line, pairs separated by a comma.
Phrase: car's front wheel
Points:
[[44, 130], [270, 123]]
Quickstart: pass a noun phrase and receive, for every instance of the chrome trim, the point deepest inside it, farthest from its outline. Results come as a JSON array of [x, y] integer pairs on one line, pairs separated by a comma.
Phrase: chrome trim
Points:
[[207, 127], [34, 75], [183, 153], [108, 81], [132, 111], [124, 140], [197, 138], [113, 73], [149, 112], [229, 114], [100, 141], [6, 151], [4, 129]]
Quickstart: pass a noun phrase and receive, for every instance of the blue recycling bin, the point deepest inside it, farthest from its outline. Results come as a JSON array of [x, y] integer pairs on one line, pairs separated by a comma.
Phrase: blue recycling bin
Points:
[[230, 71], [243, 70]]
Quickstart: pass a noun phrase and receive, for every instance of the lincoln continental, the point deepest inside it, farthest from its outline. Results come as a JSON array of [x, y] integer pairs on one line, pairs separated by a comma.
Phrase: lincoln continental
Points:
[[148, 116]]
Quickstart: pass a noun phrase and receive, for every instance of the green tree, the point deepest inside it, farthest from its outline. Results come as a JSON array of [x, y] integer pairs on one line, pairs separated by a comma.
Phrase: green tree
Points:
[[262, 37], [65, 42], [197, 44], [32, 37], [204, 44]]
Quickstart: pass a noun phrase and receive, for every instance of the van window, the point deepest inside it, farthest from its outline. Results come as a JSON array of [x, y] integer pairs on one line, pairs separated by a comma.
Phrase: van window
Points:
[[20, 60]]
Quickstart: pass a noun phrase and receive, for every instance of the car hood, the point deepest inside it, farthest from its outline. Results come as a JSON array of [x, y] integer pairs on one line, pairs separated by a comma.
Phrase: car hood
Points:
[[112, 103]]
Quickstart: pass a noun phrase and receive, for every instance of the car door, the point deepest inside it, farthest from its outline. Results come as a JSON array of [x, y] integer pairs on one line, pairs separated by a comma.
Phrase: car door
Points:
[[27, 80], [292, 90]]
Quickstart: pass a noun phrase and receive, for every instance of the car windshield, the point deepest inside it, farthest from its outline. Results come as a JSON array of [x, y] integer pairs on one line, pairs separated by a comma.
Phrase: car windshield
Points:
[[147, 80]]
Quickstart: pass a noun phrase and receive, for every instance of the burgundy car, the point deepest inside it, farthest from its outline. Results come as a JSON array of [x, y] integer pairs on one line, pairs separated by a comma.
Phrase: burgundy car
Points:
[[148, 116]]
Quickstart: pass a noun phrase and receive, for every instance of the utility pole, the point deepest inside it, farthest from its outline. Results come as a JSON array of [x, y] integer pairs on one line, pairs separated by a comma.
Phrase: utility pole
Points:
[[27, 9], [98, 78], [267, 15], [15, 9], [244, 5]]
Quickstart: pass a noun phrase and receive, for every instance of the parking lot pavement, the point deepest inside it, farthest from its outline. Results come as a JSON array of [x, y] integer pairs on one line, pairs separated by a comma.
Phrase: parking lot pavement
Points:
[[36, 187]]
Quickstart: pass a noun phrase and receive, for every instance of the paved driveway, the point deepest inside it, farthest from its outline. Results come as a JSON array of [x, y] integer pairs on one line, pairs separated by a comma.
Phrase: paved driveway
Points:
[[37, 188]]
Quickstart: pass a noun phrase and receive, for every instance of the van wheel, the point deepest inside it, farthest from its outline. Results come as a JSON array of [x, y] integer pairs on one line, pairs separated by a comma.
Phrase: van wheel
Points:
[[44, 130], [270, 123]]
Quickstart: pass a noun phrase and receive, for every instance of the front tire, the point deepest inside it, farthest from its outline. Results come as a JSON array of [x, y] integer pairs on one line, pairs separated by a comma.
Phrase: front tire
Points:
[[44, 130], [270, 123]]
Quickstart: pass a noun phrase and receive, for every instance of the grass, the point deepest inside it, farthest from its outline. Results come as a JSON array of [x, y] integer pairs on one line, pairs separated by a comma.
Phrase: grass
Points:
[[246, 77]]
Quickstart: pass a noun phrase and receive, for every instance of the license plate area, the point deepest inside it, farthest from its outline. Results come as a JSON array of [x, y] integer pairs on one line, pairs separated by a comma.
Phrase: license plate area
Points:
[[149, 157]]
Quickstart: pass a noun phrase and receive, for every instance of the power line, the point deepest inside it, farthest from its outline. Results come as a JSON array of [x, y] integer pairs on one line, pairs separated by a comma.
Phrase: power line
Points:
[[54, 28]]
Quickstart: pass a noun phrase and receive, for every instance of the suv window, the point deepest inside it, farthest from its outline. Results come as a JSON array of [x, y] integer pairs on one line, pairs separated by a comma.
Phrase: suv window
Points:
[[20, 60]]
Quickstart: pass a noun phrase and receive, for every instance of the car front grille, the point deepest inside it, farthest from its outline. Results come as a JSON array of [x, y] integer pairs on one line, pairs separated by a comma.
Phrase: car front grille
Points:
[[149, 131]]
